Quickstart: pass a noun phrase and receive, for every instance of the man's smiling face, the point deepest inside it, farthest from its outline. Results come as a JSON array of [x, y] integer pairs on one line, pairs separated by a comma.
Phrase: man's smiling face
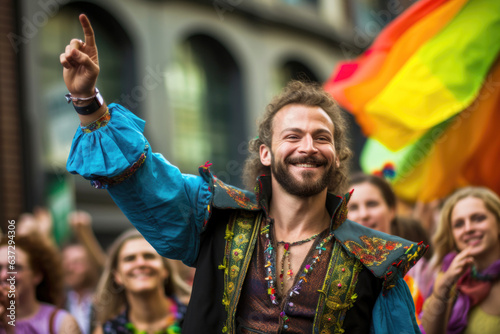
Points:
[[302, 156]]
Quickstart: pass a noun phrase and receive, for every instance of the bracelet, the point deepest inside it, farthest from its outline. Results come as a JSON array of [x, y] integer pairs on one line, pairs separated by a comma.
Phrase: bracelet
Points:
[[97, 102], [70, 98]]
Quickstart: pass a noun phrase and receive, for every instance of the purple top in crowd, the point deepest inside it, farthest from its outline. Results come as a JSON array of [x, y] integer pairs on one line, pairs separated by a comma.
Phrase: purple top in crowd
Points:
[[39, 323]]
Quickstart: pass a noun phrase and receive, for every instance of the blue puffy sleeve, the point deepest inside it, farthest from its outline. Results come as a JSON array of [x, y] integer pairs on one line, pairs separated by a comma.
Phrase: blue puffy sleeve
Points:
[[394, 311], [168, 208]]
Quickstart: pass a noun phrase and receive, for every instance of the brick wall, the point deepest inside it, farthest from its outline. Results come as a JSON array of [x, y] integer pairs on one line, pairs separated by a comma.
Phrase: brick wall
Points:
[[11, 164]]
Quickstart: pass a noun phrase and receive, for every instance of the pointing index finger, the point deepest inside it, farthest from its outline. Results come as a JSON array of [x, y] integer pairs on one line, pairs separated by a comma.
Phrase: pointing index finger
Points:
[[87, 30]]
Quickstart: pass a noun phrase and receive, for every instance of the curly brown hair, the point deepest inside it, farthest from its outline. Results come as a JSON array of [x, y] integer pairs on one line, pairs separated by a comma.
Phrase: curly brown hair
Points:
[[307, 94], [45, 259]]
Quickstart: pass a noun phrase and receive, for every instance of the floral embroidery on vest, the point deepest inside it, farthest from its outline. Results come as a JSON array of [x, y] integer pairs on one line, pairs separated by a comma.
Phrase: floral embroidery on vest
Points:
[[375, 250], [240, 237], [338, 291]]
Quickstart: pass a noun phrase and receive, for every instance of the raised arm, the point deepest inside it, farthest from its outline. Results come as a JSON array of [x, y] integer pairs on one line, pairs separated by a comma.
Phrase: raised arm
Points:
[[81, 224], [81, 68], [110, 149]]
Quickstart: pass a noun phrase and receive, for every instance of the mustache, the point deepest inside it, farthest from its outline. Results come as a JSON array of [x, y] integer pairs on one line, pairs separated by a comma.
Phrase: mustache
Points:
[[306, 160]]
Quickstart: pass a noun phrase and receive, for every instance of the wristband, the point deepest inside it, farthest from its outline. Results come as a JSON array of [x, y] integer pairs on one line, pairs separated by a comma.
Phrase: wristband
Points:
[[97, 102]]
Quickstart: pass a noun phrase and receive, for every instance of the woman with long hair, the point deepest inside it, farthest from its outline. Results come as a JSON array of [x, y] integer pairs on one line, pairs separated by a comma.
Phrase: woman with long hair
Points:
[[466, 293], [137, 290], [31, 272], [373, 203]]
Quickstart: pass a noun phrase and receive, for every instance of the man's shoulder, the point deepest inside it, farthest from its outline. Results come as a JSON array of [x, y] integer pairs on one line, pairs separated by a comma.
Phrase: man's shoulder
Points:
[[226, 196], [386, 256], [231, 197]]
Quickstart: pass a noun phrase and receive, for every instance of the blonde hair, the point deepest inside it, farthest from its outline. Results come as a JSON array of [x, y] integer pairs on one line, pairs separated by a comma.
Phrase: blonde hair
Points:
[[110, 298], [443, 241]]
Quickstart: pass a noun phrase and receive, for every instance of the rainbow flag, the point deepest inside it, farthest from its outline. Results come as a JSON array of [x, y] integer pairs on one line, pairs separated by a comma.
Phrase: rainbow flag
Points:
[[425, 94], [416, 295]]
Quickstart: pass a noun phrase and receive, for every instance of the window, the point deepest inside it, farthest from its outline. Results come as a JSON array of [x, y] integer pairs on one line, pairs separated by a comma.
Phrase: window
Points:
[[205, 92], [370, 17]]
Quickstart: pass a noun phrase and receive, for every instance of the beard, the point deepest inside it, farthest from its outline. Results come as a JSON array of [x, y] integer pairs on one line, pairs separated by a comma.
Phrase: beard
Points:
[[308, 186]]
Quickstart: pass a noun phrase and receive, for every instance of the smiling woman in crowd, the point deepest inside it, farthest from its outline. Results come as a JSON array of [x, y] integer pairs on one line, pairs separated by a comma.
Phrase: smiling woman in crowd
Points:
[[466, 294], [38, 287], [136, 293], [373, 203]]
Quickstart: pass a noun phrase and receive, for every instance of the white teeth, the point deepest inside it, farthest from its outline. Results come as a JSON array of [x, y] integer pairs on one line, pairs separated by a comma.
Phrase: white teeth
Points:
[[140, 275], [305, 165], [473, 239]]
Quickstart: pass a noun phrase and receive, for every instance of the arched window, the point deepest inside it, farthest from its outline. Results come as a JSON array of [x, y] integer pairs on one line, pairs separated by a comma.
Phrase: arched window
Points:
[[204, 90]]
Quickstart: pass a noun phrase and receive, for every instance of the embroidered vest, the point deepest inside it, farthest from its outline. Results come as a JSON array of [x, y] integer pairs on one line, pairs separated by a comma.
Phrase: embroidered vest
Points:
[[386, 256], [337, 292]]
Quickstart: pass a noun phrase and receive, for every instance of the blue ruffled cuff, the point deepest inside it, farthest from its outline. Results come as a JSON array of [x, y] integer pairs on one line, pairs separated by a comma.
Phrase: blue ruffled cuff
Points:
[[394, 311], [109, 150]]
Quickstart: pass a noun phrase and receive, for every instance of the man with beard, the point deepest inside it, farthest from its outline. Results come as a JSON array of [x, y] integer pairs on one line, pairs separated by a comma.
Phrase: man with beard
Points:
[[280, 259]]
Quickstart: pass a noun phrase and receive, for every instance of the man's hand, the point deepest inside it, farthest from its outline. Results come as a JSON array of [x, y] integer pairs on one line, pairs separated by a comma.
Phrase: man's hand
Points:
[[80, 62], [81, 223], [40, 221]]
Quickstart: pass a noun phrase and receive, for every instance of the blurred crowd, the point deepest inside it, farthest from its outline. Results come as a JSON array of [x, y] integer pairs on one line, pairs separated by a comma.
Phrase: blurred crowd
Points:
[[455, 286], [80, 288]]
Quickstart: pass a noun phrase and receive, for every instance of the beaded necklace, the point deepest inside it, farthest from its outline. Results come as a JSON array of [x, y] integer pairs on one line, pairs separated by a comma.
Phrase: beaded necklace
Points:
[[172, 319], [173, 329], [268, 254], [286, 255]]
